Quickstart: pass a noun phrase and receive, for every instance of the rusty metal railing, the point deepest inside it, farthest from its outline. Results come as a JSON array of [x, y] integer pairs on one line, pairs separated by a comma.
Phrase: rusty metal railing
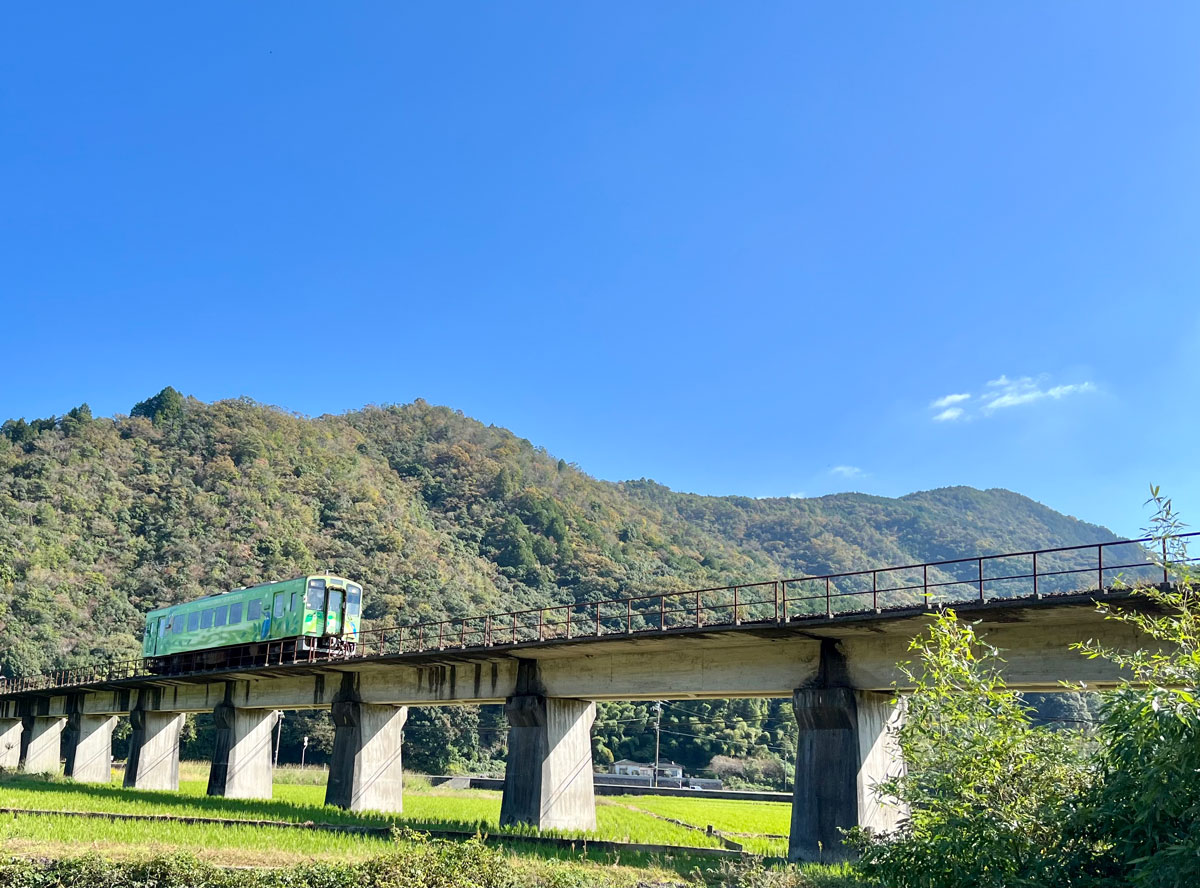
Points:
[[1033, 574]]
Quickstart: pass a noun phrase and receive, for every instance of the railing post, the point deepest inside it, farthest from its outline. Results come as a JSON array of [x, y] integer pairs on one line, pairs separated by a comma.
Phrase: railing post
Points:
[[514, 629], [568, 622], [925, 585], [828, 600], [597, 619], [775, 590], [1036, 591], [462, 634], [875, 591], [1100, 568], [1166, 578], [662, 612], [737, 618], [541, 623], [981, 598], [628, 616], [487, 631]]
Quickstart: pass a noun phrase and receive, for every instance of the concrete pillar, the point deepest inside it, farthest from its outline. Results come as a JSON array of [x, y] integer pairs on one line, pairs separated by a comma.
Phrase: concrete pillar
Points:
[[366, 773], [548, 779], [153, 761], [43, 748], [10, 743], [242, 762], [89, 747], [845, 749]]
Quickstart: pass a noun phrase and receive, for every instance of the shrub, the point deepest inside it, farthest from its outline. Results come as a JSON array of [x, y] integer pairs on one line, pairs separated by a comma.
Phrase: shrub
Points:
[[1140, 820], [986, 789]]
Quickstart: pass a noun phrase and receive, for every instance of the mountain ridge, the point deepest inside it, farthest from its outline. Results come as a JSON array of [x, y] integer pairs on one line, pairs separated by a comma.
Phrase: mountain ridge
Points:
[[102, 519]]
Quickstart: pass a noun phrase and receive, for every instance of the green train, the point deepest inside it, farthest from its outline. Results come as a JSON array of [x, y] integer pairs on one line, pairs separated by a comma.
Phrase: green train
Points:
[[290, 619]]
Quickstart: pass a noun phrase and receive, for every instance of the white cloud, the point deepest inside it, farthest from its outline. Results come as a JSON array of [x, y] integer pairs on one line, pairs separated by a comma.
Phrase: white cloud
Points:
[[949, 400], [1015, 392], [798, 495], [1002, 393], [846, 471]]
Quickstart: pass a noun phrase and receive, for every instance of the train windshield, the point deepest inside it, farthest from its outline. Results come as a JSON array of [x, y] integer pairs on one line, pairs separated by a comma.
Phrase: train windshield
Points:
[[353, 599], [316, 595]]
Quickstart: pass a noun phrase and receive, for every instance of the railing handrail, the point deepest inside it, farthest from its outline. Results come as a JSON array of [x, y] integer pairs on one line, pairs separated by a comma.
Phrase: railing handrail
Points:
[[82, 675]]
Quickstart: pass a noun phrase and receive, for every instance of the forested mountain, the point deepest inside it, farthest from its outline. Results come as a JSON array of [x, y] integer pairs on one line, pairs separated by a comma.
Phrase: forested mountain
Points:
[[103, 519]]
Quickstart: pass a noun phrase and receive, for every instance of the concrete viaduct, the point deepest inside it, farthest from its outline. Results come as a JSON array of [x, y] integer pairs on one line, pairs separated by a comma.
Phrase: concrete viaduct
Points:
[[840, 669]]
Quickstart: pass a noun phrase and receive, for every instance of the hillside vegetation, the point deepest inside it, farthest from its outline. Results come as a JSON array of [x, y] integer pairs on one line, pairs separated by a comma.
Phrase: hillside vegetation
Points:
[[102, 519]]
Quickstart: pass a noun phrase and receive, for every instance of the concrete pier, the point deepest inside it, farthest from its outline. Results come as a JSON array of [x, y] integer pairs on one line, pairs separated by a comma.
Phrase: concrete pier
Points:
[[88, 747], [153, 761], [43, 744], [844, 751], [10, 743], [242, 763], [365, 773], [548, 779]]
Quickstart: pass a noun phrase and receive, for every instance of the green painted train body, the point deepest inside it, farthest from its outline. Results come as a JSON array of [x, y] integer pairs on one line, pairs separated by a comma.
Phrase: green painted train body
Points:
[[310, 612]]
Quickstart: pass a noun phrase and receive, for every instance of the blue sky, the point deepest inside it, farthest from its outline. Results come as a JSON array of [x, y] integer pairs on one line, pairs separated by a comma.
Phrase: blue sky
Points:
[[766, 249]]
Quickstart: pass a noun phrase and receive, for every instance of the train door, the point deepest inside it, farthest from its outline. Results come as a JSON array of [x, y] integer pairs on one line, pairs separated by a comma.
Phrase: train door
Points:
[[160, 635], [333, 612]]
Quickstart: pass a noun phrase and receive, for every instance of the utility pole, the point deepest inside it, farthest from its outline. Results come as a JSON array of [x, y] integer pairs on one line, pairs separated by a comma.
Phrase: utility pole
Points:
[[278, 733], [657, 738], [303, 751]]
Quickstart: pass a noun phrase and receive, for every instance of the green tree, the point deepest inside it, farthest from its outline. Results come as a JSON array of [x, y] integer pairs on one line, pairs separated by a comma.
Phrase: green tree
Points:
[[987, 790], [167, 405], [1140, 821]]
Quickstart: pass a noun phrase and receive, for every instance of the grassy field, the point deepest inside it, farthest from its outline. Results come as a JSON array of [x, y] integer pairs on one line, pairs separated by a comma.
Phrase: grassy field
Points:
[[469, 810], [299, 798], [755, 825]]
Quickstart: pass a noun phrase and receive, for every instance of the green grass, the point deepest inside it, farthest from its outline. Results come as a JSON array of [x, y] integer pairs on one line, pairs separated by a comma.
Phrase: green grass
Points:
[[301, 800], [299, 803], [754, 820]]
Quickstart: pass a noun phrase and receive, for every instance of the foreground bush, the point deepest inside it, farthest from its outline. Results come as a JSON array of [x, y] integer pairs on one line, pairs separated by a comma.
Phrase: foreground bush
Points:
[[988, 790], [417, 862], [996, 801], [1139, 822]]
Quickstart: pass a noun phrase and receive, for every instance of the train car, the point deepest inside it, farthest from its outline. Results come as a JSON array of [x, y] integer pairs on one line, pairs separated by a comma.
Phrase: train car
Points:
[[300, 617]]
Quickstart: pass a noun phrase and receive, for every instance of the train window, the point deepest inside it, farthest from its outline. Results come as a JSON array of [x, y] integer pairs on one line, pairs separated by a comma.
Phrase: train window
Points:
[[221, 615], [235, 613], [206, 618], [353, 599], [254, 610], [295, 601], [178, 624], [316, 595], [280, 605], [193, 622]]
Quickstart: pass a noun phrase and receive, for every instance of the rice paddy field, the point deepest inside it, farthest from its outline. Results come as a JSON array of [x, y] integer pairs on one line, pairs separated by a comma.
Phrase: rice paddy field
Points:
[[299, 798]]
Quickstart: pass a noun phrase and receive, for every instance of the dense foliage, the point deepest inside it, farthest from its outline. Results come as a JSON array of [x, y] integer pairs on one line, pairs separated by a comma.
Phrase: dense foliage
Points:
[[987, 789], [996, 800], [103, 519]]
